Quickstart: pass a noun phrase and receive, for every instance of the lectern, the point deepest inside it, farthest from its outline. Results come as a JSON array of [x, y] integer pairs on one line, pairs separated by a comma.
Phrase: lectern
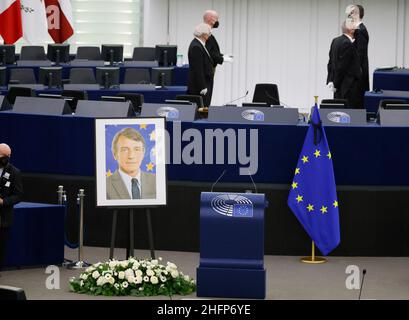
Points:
[[232, 246]]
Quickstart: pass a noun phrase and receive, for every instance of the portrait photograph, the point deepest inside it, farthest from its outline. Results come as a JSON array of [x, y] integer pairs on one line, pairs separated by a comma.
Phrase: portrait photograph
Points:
[[130, 162]]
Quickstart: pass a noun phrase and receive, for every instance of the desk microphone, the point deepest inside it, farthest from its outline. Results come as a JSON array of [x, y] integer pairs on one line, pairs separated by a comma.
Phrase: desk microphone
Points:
[[251, 177], [275, 100], [224, 171], [247, 92], [362, 283]]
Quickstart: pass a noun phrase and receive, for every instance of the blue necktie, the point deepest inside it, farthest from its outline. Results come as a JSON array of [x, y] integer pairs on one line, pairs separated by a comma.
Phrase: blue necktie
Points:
[[136, 193]]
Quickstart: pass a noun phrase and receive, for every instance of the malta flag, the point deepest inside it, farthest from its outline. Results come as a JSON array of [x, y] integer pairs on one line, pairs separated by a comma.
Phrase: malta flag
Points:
[[10, 21], [34, 18], [60, 21]]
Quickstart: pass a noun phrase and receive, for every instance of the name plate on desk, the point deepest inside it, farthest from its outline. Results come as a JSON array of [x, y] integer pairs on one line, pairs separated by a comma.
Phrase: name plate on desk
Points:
[[143, 64], [34, 63], [393, 118], [266, 115], [43, 106], [82, 87], [136, 87], [31, 86], [87, 63], [343, 117], [172, 112]]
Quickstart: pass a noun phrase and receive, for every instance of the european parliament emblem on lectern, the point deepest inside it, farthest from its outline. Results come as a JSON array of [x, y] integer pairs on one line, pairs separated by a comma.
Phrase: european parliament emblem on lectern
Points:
[[232, 246]]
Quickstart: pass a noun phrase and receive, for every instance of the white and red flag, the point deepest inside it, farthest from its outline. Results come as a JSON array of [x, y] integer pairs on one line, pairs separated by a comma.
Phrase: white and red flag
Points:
[[60, 21], [10, 21]]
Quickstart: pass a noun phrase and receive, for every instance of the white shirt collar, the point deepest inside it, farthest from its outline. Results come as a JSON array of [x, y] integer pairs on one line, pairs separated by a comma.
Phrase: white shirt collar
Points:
[[201, 41], [127, 179], [1, 171], [350, 38]]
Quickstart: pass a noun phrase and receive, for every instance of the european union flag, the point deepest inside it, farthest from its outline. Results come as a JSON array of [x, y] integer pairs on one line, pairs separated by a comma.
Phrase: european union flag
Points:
[[313, 196]]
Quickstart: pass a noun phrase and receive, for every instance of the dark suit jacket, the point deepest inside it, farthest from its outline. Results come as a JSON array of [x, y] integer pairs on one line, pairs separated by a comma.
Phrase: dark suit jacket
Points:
[[200, 71], [213, 47], [344, 68], [116, 188], [11, 191], [361, 43]]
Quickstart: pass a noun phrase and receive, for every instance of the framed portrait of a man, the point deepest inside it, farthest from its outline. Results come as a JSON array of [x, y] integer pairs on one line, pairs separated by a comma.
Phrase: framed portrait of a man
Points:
[[130, 162]]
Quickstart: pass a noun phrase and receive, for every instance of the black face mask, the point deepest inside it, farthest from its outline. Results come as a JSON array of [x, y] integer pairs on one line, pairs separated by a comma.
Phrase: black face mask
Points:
[[216, 25], [4, 161]]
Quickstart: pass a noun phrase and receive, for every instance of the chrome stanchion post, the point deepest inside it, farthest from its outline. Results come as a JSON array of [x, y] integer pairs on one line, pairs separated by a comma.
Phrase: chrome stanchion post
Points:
[[60, 193], [80, 264]]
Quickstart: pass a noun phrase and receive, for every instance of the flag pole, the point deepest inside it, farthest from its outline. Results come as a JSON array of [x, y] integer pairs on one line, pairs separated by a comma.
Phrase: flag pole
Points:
[[313, 259]]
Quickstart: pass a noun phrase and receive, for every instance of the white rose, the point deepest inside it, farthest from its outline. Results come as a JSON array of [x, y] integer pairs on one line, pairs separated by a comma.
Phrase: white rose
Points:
[[174, 273], [95, 274], [172, 265], [146, 278], [89, 269], [124, 264], [165, 272], [154, 280], [160, 258], [129, 273], [111, 280], [130, 279], [163, 279], [141, 289], [187, 278], [101, 281], [108, 276], [121, 275], [150, 273], [112, 264], [116, 285], [155, 262], [136, 265], [81, 283], [138, 280], [125, 285], [138, 273]]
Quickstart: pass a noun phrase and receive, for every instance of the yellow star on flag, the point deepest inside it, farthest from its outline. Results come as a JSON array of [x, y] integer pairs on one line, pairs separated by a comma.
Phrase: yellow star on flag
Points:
[[109, 173], [143, 126], [150, 166], [329, 155], [324, 210], [152, 136], [335, 204], [294, 185], [297, 171], [317, 153], [310, 208], [300, 199], [304, 159]]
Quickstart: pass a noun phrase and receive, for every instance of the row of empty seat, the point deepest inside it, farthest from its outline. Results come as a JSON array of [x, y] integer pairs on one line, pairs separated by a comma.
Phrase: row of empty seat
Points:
[[104, 76], [165, 55]]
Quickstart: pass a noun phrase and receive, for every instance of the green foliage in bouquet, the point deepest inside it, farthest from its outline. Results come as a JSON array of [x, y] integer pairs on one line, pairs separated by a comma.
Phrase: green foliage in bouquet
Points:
[[133, 277]]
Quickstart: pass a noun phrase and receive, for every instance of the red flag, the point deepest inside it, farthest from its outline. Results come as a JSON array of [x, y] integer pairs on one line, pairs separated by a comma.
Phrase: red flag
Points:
[[60, 21], [10, 21]]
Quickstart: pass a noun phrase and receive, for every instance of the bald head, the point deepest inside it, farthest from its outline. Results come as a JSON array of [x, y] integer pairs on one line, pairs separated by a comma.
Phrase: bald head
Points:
[[210, 17], [5, 150]]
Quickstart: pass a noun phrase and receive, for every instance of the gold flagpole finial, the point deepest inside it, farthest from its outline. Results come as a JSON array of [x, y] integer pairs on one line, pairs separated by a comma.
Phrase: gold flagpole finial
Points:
[[316, 99]]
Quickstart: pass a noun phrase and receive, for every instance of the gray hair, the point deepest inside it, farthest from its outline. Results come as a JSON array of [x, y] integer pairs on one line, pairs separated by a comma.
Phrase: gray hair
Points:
[[202, 29]]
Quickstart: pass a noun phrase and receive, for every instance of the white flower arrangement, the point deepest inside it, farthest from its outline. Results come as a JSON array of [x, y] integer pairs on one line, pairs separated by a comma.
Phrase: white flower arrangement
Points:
[[133, 277]]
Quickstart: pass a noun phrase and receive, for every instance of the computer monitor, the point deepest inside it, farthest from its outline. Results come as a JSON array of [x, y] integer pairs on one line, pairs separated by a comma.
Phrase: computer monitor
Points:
[[107, 77], [332, 106], [396, 106], [162, 76], [113, 98], [50, 76], [166, 55], [58, 53], [183, 102], [7, 54], [112, 53], [3, 80], [255, 104]]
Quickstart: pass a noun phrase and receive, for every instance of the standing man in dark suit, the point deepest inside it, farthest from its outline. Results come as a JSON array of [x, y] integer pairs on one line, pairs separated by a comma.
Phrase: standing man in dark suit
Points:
[[211, 18], [11, 191], [201, 70], [357, 12], [344, 69]]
